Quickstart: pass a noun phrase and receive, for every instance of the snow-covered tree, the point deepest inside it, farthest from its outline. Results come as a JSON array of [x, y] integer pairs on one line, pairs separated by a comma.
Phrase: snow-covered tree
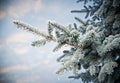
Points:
[[95, 44]]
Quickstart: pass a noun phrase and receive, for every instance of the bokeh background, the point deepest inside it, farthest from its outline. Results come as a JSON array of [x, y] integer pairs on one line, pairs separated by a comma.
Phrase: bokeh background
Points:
[[19, 61]]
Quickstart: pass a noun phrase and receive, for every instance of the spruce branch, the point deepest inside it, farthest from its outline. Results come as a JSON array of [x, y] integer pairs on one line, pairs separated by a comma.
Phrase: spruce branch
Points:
[[35, 31], [79, 11], [60, 27], [75, 26], [79, 20], [96, 49], [79, 1], [86, 10], [32, 29]]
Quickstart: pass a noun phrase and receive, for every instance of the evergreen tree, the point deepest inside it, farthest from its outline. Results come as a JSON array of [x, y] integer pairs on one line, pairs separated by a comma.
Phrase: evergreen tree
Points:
[[95, 44]]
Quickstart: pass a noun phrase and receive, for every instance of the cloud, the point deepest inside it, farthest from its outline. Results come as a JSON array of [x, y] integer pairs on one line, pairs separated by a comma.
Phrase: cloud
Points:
[[1, 44], [18, 42], [29, 78], [21, 50], [19, 37], [22, 67], [22, 7], [2, 14]]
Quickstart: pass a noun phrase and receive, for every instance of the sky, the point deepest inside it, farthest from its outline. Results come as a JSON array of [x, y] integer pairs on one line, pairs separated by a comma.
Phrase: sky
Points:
[[19, 61]]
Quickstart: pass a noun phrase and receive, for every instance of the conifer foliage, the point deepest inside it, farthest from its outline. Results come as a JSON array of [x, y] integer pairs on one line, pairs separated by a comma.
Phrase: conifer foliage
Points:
[[95, 44]]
